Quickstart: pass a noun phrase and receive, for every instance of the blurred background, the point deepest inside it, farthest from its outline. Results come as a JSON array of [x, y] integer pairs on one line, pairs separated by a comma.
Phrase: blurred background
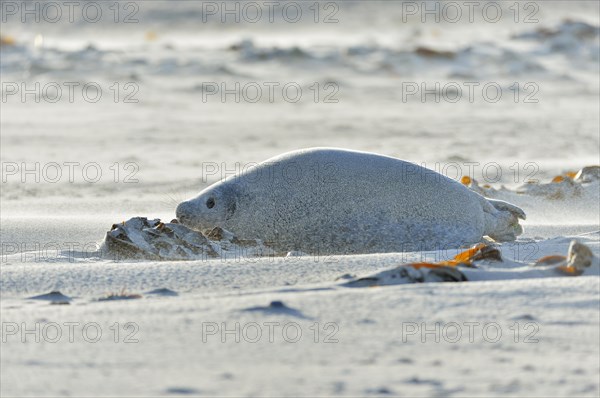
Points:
[[148, 93]]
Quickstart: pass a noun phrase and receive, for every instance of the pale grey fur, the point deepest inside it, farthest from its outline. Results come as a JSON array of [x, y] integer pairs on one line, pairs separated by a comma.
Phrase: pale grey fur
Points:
[[326, 200]]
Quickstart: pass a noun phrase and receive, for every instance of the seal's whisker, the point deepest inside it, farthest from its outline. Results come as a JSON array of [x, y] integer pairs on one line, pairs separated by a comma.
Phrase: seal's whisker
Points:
[[172, 198]]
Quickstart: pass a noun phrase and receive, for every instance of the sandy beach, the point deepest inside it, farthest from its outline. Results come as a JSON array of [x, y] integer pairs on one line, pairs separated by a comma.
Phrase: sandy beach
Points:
[[109, 120]]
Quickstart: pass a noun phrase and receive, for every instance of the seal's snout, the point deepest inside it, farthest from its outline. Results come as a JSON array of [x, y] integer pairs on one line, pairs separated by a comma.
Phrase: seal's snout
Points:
[[183, 212]]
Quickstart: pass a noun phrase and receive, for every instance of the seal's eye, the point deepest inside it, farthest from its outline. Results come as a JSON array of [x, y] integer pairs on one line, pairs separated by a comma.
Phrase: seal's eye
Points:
[[210, 203]]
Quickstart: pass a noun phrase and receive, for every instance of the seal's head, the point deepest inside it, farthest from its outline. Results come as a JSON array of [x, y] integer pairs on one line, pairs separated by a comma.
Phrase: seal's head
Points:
[[211, 208]]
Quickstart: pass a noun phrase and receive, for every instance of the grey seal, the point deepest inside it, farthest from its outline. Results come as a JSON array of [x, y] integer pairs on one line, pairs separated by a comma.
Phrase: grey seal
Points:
[[337, 201]]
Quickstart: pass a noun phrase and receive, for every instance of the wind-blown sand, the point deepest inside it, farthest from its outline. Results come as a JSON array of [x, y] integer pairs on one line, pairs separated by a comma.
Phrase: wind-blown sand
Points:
[[369, 340], [374, 346]]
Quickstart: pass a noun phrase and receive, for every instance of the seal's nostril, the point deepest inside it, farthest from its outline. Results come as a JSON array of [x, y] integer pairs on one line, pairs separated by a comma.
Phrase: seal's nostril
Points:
[[184, 212], [179, 212]]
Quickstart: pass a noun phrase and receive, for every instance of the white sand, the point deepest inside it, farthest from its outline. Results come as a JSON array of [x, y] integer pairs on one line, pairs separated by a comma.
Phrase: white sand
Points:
[[377, 341], [171, 135]]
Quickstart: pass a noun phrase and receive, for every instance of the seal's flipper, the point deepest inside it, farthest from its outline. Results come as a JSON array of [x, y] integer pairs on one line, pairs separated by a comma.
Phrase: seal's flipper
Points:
[[502, 220], [505, 206]]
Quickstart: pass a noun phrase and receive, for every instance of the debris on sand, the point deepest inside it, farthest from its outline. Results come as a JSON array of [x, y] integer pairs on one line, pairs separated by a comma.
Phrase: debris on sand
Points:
[[163, 292], [277, 307], [568, 185], [55, 297], [120, 296], [577, 261], [144, 239]]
